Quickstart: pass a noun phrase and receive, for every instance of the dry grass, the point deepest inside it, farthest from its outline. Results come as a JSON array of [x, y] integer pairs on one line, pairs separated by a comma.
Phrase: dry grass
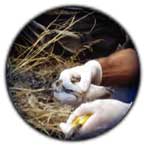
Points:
[[35, 63], [41, 112]]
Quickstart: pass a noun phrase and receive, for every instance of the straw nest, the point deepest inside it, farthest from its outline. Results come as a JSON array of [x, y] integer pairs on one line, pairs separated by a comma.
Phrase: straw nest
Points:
[[31, 68]]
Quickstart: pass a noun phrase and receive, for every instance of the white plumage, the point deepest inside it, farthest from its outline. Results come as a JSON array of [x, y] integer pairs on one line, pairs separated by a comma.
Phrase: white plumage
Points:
[[74, 98]]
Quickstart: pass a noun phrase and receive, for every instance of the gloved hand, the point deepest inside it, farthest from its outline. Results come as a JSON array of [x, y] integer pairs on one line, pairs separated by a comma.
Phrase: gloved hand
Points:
[[90, 72], [105, 114]]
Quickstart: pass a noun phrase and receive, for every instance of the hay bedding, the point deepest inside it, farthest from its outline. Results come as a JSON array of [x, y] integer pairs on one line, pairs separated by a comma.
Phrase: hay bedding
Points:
[[33, 65], [30, 94]]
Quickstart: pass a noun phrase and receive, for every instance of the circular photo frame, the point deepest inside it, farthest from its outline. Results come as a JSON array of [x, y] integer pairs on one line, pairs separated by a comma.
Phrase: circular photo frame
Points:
[[73, 73]]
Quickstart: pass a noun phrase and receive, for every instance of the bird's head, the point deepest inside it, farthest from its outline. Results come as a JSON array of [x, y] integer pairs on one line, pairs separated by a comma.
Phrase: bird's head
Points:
[[57, 86]]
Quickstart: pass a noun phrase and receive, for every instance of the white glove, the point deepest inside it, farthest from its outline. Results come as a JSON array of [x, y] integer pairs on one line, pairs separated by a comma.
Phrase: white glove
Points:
[[105, 114], [90, 72]]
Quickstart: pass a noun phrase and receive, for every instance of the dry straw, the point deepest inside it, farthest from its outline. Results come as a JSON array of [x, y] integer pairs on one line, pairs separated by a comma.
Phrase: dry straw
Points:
[[37, 56]]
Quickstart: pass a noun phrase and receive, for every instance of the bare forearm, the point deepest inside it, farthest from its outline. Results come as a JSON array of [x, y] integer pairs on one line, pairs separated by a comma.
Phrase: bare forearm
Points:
[[120, 68]]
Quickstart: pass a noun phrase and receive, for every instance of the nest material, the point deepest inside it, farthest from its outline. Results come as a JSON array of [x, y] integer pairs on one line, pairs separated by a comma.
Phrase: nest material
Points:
[[33, 66], [42, 112]]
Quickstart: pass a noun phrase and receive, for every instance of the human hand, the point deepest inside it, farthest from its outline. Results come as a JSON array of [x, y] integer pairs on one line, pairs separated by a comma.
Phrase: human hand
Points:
[[105, 114], [90, 72]]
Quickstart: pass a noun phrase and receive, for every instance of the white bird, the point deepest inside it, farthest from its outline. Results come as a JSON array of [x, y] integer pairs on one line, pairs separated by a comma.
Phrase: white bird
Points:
[[66, 96]]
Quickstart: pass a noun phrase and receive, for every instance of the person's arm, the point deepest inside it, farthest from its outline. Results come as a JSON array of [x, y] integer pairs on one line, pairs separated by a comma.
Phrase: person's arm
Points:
[[120, 68]]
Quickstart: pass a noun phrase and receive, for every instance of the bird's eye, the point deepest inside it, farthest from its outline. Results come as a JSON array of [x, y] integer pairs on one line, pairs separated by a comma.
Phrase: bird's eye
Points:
[[58, 83]]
